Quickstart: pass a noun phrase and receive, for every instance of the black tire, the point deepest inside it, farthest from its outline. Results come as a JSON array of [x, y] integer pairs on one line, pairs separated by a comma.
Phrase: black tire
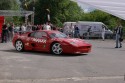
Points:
[[56, 48], [19, 45]]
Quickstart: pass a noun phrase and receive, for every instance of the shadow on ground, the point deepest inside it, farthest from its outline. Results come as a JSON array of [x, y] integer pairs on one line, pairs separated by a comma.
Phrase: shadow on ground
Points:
[[43, 53]]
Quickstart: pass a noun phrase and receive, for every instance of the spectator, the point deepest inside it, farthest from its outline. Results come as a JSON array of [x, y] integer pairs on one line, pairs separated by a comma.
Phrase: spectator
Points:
[[72, 30], [29, 27], [11, 31], [20, 29], [47, 26], [66, 29], [41, 27], [103, 32], [33, 27], [119, 34], [23, 28], [76, 33], [54, 28], [88, 32], [4, 33]]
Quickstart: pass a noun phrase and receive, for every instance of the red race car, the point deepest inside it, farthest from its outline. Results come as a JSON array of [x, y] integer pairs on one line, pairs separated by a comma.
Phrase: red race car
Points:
[[50, 41]]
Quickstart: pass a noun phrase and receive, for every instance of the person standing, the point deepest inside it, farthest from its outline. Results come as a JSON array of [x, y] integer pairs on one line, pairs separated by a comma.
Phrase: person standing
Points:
[[11, 31], [72, 30], [88, 32], [66, 29], [28, 27], [119, 34], [47, 26], [4, 33], [103, 32], [76, 32]]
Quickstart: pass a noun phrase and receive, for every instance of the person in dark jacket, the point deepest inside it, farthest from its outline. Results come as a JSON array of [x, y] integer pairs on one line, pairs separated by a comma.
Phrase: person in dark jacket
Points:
[[4, 33], [119, 35], [76, 32]]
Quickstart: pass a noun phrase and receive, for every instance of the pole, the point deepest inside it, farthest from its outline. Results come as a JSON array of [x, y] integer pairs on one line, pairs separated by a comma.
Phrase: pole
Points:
[[26, 18], [48, 15]]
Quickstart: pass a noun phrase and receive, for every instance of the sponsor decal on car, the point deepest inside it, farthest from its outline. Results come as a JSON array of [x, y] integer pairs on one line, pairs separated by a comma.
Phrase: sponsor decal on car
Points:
[[44, 46], [27, 44], [39, 40]]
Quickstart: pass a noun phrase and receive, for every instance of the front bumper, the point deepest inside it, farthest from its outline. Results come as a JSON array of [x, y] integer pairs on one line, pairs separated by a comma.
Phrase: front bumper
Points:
[[77, 50], [82, 49]]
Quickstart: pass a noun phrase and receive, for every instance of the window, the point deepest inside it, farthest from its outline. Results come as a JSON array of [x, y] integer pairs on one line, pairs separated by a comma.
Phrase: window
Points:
[[58, 35], [40, 34], [31, 34]]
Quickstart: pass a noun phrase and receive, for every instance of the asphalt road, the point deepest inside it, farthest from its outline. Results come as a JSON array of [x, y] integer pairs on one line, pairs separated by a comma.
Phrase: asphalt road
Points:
[[105, 64]]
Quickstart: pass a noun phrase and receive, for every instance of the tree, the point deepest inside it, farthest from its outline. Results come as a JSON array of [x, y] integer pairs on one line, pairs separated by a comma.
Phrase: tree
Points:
[[100, 16], [8, 5], [27, 4], [60, 11]]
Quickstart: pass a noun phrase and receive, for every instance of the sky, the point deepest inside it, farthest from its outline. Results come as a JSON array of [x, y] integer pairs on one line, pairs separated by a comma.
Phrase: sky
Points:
[[86, 7]]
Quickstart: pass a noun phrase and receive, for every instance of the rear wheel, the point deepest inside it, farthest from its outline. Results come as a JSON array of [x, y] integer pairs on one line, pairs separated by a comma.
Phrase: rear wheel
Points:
[[19, 45], [56, 48]]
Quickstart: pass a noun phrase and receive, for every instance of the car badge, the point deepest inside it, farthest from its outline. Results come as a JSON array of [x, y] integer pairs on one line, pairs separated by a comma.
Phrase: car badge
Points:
[[27, 44], [44, 46]]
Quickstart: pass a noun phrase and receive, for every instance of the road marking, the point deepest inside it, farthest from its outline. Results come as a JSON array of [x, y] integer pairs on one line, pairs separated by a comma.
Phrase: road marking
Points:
[[63, 79]]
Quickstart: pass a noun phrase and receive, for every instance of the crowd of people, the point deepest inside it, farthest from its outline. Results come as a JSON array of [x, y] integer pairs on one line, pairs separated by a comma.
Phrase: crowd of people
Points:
[[71, 30], [29, 27], [8, 30]]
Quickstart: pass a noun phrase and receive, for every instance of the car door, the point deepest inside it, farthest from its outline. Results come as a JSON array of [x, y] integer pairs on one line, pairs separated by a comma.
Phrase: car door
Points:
[[30, 44], [40, 41]]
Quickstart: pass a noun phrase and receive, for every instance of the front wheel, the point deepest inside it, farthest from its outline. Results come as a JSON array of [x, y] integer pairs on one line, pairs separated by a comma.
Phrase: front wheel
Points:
[[19, 45], [56, 48]]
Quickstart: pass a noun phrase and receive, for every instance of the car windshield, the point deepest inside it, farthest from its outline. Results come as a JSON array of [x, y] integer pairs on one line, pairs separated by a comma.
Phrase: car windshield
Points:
[[58, 35]]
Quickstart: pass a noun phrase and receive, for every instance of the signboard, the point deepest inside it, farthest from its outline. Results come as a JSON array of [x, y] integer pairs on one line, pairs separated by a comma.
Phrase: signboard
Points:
[[1, 23]]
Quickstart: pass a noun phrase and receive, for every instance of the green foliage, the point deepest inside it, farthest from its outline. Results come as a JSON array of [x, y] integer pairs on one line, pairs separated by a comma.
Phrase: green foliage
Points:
[[96, 16], [5, 4], [27, 4], [60, 11], [15, 5], [100, 16], [8, 5]]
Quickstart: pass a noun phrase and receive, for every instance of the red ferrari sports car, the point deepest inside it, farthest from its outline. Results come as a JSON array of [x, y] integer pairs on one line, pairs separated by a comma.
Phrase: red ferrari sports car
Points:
[[50, 41]]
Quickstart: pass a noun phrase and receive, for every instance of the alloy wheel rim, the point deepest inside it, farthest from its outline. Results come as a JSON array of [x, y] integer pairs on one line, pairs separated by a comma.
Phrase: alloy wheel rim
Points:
[[56, 48], [19, 45]]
